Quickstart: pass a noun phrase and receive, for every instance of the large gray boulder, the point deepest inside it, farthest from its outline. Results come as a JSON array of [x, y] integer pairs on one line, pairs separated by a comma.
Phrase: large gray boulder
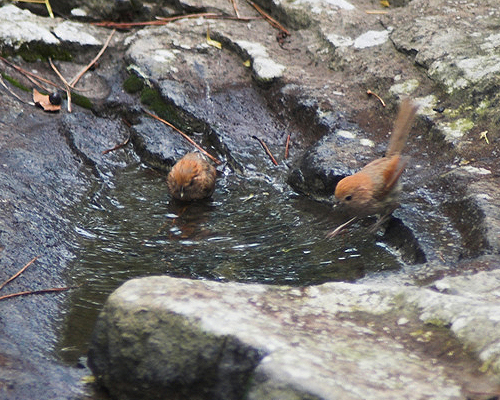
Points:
[[162, 337]]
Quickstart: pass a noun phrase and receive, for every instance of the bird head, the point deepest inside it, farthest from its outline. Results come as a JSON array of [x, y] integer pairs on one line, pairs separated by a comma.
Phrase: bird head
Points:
[[355, 191]]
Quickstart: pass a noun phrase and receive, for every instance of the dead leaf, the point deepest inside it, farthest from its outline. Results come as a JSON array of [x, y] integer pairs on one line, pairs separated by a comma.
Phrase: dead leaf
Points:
[[43, 101], [88, 379], [482, 135], [213, 43]]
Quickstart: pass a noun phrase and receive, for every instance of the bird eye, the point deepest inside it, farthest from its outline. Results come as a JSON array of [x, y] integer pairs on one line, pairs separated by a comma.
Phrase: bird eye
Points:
[[348, 198]]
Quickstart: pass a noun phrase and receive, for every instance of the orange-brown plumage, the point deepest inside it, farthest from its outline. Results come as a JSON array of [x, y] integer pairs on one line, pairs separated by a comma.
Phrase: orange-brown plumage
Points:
[[191, 178], [375, 188]]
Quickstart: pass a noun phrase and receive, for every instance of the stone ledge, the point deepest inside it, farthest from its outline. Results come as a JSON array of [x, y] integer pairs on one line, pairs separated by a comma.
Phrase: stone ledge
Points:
[[205, 339]]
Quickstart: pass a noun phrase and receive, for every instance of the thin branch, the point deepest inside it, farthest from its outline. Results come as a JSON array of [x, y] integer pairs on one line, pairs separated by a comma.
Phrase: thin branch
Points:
[[13, 93], [18, 273], [127, 25], [287, 145], [370, 93], [42, 291], [46, 2], [268, 152], [231, 18], [215, 160], [36, 83], [376, 12], [340, 228], [118, 146], [66, 84], [74, 81], [271, 20], [208, 16], [30, 74], [197, 15], [235, 6], [49, 8], [166, 20]]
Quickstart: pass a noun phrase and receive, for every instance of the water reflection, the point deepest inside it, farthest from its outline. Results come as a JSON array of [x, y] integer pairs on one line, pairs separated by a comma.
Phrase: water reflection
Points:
[[253, 230]]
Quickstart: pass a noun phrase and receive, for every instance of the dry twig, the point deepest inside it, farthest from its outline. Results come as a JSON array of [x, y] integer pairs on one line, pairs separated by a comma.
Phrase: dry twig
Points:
[[370, 93], [187, 16], [118, 146], [46, 2], [268, 18], [13, 93], [215, 160], [235, 6], [127, 25], [31, 75], [207, 16], [18, 273], [340, 228], [27, 292], [287, 145], [266, 149], [166, 20], [74, 81]]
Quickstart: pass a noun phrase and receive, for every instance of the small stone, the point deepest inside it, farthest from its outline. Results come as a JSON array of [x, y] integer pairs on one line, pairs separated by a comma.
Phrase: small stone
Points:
[[371, 38], [55, 98], [78, 12]]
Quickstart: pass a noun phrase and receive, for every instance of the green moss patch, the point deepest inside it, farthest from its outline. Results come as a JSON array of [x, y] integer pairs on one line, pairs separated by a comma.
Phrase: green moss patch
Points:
[[15, 83], [31, 52], [133, 84], [82, 101]]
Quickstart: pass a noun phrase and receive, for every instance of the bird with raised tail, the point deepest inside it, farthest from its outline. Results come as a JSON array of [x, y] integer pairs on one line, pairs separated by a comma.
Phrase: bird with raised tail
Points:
[[191, 178], [375, 189]]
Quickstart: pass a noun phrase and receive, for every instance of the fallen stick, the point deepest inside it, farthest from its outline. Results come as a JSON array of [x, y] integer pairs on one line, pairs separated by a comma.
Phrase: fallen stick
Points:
[[46, 2], [118, 146], [287, 145], [30, 74], [187, 16], [235, 6], [74, 81], [215, 160], [206, 15], [268, 18], [166, 20], [28, 292], [126, 25], [37, 83], [340, 228], [13, 93], [370, 93], [376, 12], [268, 152], [18, 272]]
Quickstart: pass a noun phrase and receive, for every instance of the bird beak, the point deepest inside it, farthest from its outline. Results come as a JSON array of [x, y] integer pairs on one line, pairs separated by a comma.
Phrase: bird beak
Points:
[[182, 193]]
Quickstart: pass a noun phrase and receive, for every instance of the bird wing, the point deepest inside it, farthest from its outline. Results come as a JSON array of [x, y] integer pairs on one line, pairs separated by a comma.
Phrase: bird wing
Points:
[[392, 173]]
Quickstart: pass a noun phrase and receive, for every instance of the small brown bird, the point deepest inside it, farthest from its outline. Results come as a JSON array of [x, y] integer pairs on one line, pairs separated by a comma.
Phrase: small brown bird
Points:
[[375, 189], [191, 178]]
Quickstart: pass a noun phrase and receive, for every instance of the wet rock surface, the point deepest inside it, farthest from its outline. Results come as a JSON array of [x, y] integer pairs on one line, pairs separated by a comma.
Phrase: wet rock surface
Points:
[[39, 175], [313, 86]]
